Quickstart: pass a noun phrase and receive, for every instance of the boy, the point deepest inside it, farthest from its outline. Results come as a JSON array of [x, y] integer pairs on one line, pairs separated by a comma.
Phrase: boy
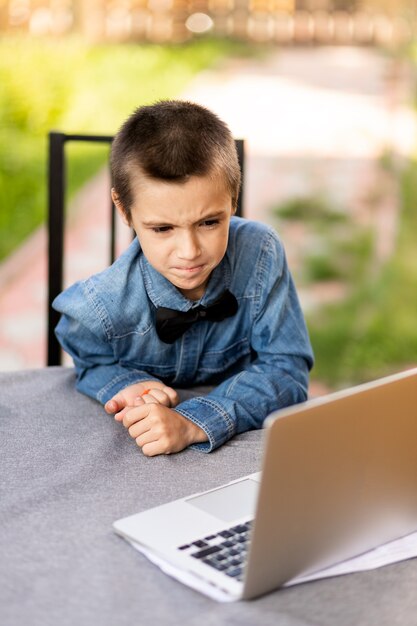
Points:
[[199, 298]]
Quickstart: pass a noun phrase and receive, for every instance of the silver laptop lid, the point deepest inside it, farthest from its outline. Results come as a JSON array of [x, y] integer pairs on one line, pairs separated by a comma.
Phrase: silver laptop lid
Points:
[[339, 477]]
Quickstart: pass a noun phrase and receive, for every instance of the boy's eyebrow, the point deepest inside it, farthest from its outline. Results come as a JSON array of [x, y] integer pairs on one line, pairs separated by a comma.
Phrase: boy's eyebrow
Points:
[[210, 216]]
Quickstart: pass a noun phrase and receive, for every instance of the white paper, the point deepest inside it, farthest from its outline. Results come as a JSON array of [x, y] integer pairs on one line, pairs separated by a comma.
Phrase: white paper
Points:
[[392, 552]]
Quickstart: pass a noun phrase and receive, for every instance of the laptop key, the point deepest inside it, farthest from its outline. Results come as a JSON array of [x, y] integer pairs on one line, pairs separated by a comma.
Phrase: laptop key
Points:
[[234, 552], [234, 573], [208, 561], [206, 552], [200, 544], [220, 567], [240, 528]]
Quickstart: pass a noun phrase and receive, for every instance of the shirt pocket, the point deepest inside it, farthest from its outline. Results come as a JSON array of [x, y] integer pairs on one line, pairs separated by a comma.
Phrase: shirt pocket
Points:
[[223, 359], [143, 353]]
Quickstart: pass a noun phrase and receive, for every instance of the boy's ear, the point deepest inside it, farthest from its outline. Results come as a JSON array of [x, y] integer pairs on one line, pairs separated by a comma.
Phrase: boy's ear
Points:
[[119, 207]]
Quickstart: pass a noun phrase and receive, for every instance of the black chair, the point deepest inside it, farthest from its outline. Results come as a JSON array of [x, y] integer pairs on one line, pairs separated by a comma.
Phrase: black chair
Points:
[[56, 223]]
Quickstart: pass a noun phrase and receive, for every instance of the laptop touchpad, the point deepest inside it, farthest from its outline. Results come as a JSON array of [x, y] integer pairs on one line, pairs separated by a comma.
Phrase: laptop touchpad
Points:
[[229, 503]]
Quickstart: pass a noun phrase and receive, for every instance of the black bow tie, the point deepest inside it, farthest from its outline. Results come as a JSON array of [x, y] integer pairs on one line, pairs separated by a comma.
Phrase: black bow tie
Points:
[[171, 324]]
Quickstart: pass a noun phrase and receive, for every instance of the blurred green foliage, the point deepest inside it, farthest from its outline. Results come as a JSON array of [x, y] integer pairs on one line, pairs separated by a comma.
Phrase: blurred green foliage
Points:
[[374, 331], [312, 208], [342, 256], [336, 247], [71, 86]]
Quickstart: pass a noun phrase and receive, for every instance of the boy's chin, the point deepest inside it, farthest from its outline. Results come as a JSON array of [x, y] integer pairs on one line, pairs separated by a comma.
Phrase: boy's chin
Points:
[[192, 292]]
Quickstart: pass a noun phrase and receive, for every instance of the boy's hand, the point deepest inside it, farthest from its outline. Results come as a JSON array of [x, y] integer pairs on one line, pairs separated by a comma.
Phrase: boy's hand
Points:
[[132, 396], [160, 430]]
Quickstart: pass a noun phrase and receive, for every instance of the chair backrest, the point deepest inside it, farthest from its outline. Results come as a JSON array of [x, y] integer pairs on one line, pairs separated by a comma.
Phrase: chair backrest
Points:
[[56, 223]]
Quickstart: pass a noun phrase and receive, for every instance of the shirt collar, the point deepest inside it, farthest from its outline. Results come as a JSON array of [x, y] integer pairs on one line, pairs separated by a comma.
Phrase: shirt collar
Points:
[[162, 292]]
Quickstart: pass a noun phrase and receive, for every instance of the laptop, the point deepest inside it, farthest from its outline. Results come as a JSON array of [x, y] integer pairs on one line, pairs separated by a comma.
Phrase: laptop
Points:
[[338, 478]]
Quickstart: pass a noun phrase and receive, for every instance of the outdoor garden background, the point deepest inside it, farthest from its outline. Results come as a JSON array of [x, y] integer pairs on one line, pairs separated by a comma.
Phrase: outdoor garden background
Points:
[[324, 94]]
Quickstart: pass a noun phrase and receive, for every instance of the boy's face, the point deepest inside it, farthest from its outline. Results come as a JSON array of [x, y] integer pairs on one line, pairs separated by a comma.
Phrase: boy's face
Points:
[[182, 228]]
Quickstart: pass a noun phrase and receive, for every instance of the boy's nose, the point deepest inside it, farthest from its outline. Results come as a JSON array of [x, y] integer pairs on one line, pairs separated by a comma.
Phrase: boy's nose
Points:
[[188, 247]]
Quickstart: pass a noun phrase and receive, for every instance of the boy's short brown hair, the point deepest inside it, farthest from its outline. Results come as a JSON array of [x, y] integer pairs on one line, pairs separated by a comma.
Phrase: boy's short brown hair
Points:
[[172, 140]]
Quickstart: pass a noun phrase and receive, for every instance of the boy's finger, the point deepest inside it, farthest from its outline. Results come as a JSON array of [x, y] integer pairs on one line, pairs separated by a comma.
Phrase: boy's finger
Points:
[[115, 404], [145, 439], [153, 448], [172, 395], [135, 415], [139, 428], [111, 406], [151, 398], [120, 415], [157, 396], [141, 398]]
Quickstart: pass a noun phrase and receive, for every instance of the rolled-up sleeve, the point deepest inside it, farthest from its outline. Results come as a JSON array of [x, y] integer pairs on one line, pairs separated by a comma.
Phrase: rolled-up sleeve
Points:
[[89, 343]]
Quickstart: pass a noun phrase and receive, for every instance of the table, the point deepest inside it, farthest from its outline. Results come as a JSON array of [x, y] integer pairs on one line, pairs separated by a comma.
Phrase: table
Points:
[[68, 471]]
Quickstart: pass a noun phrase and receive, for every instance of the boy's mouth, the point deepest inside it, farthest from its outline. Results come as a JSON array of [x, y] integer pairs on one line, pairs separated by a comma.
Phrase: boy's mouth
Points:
[[193, 269]]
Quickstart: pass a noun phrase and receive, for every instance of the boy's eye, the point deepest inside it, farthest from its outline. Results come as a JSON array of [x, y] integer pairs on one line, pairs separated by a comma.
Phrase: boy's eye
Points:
[[161, 229], [209, 223]]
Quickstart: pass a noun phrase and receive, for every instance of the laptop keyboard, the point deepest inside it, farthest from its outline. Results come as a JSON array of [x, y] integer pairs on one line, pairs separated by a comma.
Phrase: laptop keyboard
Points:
[[226, 551]]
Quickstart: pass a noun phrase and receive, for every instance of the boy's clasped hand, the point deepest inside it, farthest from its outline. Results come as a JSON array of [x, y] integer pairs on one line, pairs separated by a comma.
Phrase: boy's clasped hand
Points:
[[146, 410]]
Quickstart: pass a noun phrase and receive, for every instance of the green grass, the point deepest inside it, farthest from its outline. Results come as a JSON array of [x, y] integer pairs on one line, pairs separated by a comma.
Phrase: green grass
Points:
[[71, 86]]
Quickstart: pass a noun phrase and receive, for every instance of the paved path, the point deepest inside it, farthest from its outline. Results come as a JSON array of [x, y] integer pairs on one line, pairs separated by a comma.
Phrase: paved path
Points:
[[313, 119]]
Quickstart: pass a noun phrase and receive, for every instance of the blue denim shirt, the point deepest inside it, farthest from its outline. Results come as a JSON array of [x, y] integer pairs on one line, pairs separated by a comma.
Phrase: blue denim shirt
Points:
[[258, 359]]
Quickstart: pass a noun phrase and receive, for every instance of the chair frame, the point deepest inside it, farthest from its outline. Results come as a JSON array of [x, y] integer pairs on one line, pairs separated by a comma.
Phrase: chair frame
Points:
[[56, 223]]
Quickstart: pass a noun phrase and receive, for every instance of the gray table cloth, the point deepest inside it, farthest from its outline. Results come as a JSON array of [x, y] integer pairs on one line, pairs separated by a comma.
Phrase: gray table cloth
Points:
[[68, 471]]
